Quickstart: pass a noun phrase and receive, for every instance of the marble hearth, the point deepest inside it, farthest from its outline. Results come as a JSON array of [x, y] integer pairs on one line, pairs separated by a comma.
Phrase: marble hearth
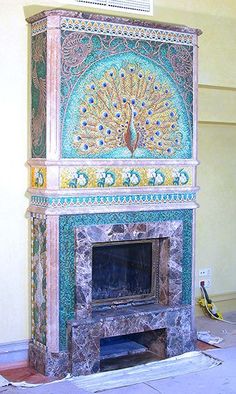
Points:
[[114, 157]]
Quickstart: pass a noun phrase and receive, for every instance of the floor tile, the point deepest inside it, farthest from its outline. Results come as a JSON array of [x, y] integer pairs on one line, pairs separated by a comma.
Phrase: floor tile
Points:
[[134, 389], [217, 380]]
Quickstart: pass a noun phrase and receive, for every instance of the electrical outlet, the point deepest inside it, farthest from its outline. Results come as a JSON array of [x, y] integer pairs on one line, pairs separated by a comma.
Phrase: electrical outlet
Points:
[[207, 283], [205, 272]]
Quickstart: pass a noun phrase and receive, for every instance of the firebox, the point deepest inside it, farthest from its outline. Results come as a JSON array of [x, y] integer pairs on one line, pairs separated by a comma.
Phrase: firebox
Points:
[[113, 189], [124, 272]]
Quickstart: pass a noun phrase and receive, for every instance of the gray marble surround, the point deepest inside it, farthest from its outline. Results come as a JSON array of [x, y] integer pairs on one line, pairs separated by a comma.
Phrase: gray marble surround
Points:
[[169, 278]]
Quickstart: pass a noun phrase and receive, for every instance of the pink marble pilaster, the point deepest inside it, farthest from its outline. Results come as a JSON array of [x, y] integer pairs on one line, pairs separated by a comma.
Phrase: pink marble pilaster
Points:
[[53, 87], [53, 283], [195, 99]]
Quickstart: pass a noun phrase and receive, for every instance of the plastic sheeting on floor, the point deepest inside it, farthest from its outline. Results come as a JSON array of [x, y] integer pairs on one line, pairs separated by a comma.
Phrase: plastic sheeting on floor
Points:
[[3, 381], [174, 366]]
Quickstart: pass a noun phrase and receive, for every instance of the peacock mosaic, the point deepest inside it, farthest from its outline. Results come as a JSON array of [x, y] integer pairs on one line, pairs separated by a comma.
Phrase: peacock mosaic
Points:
[[39, 296], [124, 98], [89, 177]]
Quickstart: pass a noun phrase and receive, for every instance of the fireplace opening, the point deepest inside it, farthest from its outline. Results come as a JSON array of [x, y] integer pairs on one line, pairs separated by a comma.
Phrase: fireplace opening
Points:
[[124, 272], [133, 349]]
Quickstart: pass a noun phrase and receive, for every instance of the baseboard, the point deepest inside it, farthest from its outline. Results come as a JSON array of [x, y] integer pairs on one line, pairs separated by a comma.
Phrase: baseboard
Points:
[[225, 303], [14, 354]]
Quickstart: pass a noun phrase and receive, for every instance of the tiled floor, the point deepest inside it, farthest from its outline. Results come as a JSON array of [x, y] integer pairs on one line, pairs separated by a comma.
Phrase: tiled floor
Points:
[[25, 374], [219, 328]]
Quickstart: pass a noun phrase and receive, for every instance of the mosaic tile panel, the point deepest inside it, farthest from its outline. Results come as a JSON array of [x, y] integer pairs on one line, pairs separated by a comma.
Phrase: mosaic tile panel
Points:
[[111, 200], [67, 225], [125, 98], [39, 177], [38, 92], [39, 295], [89, 177]]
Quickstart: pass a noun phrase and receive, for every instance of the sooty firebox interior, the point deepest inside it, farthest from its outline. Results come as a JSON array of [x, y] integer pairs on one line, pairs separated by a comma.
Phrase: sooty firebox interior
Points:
[[123, 272]]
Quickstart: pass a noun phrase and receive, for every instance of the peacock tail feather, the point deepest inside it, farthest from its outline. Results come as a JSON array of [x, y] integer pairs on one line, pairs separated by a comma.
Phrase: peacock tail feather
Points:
[[127, 108]]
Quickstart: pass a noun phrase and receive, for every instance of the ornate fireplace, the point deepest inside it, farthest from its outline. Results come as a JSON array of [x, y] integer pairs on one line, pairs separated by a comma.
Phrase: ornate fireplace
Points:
[[113, 187]]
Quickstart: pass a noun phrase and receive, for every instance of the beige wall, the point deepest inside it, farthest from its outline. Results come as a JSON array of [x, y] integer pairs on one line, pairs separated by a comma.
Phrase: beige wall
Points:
[[216, 224]]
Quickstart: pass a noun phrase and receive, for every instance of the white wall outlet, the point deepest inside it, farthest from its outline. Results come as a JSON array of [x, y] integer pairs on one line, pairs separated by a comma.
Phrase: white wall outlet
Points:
[[205, 272]]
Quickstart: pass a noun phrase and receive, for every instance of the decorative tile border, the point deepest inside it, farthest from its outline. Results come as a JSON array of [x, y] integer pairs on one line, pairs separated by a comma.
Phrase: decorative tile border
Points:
[[39, 26], [39, 177], [127, 31], [106, 200], [88, 177]]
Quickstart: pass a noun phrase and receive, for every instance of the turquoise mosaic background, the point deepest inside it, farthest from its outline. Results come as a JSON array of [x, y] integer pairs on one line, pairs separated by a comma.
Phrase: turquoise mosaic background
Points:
[[68, 223], [125, 98]]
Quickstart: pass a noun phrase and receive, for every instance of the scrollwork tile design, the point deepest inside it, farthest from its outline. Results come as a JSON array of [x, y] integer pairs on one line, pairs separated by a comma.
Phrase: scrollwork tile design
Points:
[[39, 295], [38, 91]]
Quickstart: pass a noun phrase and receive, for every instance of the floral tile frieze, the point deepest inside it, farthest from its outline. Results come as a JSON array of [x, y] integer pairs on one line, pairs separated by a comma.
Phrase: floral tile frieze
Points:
[[39, 177], [89, 177]]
